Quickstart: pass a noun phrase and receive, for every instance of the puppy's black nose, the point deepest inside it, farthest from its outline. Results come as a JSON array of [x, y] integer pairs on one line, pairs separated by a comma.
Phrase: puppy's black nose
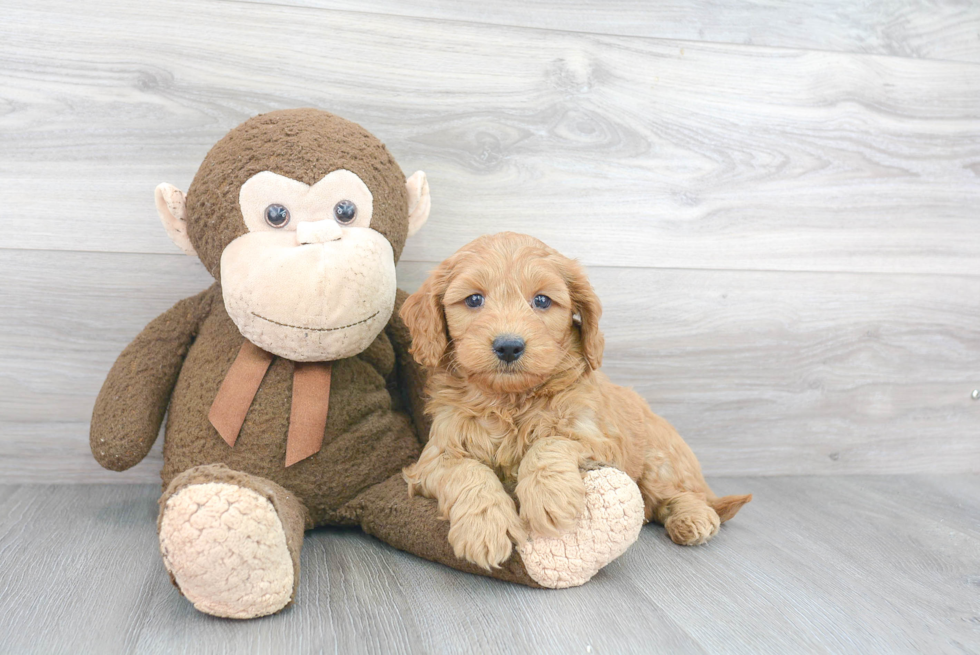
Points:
[[508, 348]]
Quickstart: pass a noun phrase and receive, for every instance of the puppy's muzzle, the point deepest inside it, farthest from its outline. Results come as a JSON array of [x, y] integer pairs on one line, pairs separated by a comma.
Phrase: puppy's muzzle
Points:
[[508, 348]]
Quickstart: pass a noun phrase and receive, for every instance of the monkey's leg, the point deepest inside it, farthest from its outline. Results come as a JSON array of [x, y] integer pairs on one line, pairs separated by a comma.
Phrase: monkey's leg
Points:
[[231, 541], [412, 524], [610, 524]]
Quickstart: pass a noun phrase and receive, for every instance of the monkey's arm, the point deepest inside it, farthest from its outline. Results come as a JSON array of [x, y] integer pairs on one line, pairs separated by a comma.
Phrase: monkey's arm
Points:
[[411, 376], [135, 394]]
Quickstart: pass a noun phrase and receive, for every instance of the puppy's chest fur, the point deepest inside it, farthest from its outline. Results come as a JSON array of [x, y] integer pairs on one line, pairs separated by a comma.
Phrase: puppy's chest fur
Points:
[[510, 431], [498, 431]]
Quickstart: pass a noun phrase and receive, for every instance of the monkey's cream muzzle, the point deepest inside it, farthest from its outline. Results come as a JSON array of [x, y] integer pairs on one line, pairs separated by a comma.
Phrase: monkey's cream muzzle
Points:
[[319, 293], [323, 231]]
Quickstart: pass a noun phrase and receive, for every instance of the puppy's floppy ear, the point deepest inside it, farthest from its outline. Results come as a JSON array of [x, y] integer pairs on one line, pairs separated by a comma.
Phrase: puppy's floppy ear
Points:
[[423, 315], [586, 304]]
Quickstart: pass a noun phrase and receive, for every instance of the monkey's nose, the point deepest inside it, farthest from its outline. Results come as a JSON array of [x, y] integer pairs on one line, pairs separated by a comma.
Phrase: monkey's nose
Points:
[[509, 348], [318, 231]]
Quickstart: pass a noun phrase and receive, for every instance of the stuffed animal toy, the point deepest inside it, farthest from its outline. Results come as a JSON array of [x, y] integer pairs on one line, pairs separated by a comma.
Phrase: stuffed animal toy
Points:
[[290, 396]]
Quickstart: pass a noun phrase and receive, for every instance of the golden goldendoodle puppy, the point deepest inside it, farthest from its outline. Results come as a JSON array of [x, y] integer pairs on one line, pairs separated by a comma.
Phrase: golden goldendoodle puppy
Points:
[[509, 329]]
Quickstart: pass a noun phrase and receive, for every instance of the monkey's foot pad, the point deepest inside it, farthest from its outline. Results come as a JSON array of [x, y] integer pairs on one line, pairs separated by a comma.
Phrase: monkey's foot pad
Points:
[[609, 525], [226, 549]]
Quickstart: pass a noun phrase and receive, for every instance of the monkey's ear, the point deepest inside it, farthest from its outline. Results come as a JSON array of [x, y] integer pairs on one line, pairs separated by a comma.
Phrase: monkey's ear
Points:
[[172, 209], [418, 201]]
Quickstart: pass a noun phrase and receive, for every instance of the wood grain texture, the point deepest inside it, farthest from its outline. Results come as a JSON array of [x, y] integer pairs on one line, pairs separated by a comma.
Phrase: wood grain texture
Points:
[[763, 373], [641, 152], [828, 564], [947, 29]]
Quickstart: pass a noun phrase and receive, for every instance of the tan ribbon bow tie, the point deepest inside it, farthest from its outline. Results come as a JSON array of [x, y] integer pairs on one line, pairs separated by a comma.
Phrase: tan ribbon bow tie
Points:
[[308, 413]]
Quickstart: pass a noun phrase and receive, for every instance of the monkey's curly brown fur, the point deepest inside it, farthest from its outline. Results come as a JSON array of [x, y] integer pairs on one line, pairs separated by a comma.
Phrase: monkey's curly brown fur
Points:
[[177, 363], [302, 144]]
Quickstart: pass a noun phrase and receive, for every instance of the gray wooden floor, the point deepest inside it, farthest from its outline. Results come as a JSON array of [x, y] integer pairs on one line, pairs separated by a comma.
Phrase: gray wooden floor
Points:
[[859, 564]]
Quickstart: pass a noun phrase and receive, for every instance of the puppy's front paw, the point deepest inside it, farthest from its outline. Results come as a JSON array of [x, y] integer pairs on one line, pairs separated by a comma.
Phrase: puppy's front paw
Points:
[[486, 538], [551, 505]]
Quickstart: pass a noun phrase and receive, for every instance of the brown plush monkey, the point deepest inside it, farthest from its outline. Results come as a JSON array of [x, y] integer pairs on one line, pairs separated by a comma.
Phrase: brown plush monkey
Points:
[[287, 384]]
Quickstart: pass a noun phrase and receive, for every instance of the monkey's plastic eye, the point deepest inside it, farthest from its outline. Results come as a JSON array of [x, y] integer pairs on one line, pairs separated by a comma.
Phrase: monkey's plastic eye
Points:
[[276, 215], [474, 301], [541, 302], [345, 211]]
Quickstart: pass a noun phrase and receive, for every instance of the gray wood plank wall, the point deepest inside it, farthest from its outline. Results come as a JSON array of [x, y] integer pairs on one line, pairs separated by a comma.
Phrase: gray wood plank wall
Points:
[[778, 205]]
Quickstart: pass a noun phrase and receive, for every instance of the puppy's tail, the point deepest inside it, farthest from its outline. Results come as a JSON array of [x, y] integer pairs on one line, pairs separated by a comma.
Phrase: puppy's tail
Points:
[[728, 506]]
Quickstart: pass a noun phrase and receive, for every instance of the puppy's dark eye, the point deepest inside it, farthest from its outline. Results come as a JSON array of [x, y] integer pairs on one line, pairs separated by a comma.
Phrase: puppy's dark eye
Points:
[[541, 302], [474, 301], [276, 215], [345, 211]]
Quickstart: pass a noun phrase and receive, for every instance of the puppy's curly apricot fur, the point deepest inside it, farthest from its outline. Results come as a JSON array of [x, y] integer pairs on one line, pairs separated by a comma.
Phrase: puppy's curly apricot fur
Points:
[[509, 329]]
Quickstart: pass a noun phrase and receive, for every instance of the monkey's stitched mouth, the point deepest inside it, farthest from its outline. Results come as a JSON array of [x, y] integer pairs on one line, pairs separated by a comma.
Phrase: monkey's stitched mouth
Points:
[[313, 329]]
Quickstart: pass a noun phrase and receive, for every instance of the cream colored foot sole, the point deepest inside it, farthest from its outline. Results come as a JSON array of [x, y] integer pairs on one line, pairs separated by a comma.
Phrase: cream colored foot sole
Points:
[[226, 548], [609, 525]]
